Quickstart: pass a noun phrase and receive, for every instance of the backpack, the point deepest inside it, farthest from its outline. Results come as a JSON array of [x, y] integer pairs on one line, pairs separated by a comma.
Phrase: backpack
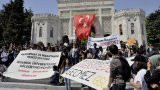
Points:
[[125, 69]]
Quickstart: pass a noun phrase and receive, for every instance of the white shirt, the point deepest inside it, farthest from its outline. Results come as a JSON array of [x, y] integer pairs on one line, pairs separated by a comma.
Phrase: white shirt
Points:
[[140, 78], [73, 51], [4, 56], [100, 54]]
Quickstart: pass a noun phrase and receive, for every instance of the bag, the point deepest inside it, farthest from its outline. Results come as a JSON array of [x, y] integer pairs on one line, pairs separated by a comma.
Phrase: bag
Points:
[[118, 87], [125, 69]]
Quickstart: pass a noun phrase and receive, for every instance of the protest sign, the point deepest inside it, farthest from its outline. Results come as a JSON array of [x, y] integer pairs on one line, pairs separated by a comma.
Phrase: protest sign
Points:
[[33, 64], [91, 72], [104, 42]]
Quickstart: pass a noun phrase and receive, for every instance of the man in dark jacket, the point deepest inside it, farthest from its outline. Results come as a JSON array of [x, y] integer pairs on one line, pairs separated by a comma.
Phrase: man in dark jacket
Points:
[[116, 79]]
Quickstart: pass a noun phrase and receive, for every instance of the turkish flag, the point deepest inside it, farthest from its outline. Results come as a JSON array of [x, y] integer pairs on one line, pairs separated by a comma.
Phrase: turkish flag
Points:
[[83, 25]]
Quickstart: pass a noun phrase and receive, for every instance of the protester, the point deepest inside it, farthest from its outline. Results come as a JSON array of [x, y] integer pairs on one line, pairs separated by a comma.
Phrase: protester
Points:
[[95, 51], [55, 77], [4, 56], [108, 56], [89, 54], [66, 64], [116, 78], [152, 50], [10, 57], [154, 59], [138, 81], [74, 54], [82, 56], [101, 55], [152, 76], [3, 68]]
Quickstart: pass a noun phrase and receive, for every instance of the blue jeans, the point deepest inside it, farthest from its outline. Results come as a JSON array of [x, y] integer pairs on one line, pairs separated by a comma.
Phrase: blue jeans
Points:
[[67, 81]]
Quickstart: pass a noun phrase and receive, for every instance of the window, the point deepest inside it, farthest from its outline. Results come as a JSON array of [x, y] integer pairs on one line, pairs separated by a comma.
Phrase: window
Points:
[[132, 28], [40, 32], [142, 29], [120, 29], [51, 32]]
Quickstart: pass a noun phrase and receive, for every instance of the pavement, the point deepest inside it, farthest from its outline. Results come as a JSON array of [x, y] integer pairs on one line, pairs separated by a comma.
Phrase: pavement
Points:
[[41, 84]]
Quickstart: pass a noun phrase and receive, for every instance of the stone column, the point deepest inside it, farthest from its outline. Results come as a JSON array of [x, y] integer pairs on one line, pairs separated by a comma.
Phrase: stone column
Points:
[[100, 22], [36, 34], [139, 32], [112, 21], [70, 24], [32, 33]]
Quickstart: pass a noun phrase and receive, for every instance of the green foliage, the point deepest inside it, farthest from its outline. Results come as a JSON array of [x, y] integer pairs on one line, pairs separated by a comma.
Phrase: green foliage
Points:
[[153, 27], [15, 23], [84, 42]]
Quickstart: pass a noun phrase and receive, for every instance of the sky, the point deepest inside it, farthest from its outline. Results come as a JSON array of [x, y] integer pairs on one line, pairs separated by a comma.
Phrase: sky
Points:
[[50, 6]]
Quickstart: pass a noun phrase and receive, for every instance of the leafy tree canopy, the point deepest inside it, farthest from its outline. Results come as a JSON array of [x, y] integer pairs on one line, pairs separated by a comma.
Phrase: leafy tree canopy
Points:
[[15, 23], [153, 27]]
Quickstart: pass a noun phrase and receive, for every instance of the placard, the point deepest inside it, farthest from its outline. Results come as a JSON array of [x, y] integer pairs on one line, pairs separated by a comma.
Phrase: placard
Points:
[[33, 64], [104, 42], [91, 72]]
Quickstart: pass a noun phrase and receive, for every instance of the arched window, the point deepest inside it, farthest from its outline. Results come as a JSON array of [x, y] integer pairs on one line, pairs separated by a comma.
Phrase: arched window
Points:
[[142, 29], [120, 29], [51, 32], [132, 28], [40, 32]]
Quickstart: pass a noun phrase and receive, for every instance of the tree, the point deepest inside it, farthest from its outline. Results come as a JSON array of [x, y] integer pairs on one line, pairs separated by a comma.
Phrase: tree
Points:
[[27, 25], [153, 27], [15, 23], [1, 30]]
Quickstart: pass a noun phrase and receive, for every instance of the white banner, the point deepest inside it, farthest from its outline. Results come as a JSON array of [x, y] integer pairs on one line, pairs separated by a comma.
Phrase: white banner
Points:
[[104, 42], [33, 64], [92, 72]]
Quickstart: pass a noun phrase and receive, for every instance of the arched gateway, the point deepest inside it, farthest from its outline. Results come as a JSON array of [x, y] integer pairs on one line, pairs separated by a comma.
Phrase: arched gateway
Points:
[[128, 23]]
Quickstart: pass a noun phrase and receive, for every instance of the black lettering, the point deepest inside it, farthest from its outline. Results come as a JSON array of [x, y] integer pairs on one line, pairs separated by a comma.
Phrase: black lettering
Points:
[[78, 72], [89, 74], [69, 71]]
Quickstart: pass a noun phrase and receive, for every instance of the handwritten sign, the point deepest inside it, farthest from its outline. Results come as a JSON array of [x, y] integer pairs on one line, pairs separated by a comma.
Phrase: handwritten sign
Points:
[[92, 72], [33, 64]]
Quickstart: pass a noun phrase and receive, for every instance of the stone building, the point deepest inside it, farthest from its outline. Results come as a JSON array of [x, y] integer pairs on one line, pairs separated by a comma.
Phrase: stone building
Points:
[[128, 23], [104, 10], [45, 28]]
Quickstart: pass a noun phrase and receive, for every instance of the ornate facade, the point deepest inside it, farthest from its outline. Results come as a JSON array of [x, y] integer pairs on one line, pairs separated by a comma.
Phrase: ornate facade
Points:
[[104, 10], [45, 28], [108, 21], [130, 23]]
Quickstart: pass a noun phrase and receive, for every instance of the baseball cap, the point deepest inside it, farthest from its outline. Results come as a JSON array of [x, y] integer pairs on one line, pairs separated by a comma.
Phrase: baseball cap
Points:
[[140, 58]]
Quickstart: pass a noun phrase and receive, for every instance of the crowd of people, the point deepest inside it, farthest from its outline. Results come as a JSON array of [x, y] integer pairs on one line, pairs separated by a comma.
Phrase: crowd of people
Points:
[[143, 74]]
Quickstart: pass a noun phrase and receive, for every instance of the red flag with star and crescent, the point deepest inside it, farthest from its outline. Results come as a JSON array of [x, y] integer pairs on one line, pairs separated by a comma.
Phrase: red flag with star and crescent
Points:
[[83, 25]]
